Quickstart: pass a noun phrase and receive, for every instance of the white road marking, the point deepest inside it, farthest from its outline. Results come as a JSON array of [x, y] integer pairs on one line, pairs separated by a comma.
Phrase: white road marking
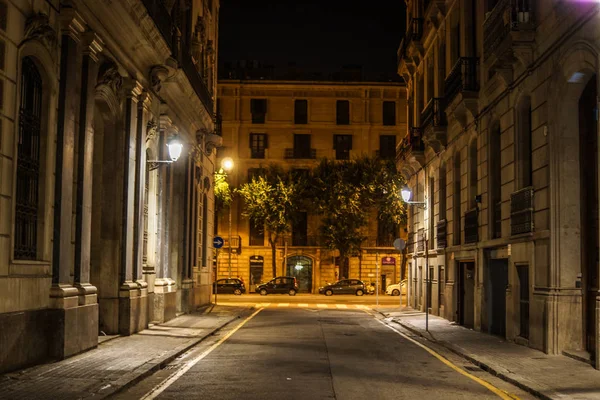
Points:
[[322, 306], [302, 305], [341, 306], [283, 305]]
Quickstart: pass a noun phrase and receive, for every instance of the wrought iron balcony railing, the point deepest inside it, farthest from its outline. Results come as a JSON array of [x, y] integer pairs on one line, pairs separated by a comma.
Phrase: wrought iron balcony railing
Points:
[[421, 240], [463, 77], [521, 211], [169, 31], [236, 243], [410, 243], [300, 154], [471, 226], [412, 143], [441, 234], [506, 16], [434, 113]]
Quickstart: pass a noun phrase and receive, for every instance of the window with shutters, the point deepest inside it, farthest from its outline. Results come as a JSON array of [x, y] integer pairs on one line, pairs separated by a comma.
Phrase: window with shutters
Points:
[[28, 163], [258, 144], [387, 147], [389, 113], [342, 144], [343, 112], [301, 111], [257, 235], [258, 108]]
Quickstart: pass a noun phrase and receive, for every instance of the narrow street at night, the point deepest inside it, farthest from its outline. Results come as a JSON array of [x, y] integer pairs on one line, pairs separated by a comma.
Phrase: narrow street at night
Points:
[[316, 353]]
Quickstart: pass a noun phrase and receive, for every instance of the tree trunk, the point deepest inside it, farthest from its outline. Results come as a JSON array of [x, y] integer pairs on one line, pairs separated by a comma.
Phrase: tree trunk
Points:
[[403, 265], [344, 270], [273, 243]]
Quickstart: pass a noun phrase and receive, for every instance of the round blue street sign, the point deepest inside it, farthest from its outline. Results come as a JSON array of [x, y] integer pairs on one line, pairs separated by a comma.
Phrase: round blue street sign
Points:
[[218, 242]]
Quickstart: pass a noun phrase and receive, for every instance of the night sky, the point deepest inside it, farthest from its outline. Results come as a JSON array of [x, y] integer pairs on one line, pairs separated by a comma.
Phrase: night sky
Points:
[[314, 34]]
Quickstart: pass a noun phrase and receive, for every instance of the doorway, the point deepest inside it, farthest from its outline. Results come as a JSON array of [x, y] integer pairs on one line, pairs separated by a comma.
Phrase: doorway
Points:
[[466, 294], [523, 273], [588, 150], [257, 264], [496, 281], [300, 267]]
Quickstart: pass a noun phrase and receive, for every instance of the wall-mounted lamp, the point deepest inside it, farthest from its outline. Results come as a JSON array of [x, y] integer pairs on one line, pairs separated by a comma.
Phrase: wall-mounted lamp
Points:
[[175, 148], [406, 195]]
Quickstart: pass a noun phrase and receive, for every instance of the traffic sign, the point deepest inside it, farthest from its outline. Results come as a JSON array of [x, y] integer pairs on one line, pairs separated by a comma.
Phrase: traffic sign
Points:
[[218, 242], [399, 244]]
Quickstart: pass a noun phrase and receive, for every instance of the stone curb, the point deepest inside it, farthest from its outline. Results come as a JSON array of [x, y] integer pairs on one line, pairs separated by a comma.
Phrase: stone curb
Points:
[[131, 378], [520, 382]]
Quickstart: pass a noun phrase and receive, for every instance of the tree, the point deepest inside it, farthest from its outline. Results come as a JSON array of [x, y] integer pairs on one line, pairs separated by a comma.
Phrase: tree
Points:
[[346, 193], [223, 192], [271, 202]]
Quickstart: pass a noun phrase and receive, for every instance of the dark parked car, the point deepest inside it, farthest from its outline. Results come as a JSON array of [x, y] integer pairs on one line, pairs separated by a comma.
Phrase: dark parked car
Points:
[[280, 284], [345, 286], [232, 285]]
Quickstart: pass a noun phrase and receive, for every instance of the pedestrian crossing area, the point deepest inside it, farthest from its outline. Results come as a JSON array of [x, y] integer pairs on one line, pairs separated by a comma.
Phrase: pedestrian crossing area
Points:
[[301, 305]]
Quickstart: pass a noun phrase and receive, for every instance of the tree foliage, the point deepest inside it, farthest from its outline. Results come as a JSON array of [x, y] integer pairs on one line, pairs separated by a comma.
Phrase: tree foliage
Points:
[[271, 203], [223, 192]]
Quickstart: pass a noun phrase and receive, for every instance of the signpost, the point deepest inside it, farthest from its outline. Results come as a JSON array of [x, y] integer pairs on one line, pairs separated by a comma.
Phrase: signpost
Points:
[[218, 242]]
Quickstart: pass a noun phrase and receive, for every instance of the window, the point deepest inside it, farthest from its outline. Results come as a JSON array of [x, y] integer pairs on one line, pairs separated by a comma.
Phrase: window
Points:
[[258, 144], [299, 229], [254, 173], [342, 144], [343, 112], [389, 113], [258, 108], [301, 111], [387, 232], [387, 147], [257, 235], [457, 200], [28, 163], [302, 146]]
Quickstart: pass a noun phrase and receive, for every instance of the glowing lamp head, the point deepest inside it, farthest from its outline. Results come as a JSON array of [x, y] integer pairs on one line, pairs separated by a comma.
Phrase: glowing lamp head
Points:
[[175, 148], [227, 164], [406, 193]]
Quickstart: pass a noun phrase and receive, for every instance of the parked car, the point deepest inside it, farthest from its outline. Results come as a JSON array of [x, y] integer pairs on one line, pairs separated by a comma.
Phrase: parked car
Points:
[[344, 286], [280, 284], [397, 288], [231, 285]]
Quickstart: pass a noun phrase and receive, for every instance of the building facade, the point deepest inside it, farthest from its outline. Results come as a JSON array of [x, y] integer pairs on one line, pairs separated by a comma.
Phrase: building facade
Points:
[[294, 124], [502, 149], [98, 234]]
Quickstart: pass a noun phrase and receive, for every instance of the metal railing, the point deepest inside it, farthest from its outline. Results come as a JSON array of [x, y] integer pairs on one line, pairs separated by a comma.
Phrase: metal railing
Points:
[[300, 154], [507, 15], [236, 243], [441, 234], [463, 77], [420, 240], [471, 226], [434, 113], [410, 243], [521, 211]]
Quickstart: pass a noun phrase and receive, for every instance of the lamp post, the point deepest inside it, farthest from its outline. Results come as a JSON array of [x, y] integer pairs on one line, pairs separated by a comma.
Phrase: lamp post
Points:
[[227, 165], [406, 195], [175, 148]]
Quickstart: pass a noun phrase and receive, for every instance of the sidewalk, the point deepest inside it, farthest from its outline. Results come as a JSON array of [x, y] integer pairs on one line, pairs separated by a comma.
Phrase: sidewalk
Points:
[[116, 363], [548, 377]]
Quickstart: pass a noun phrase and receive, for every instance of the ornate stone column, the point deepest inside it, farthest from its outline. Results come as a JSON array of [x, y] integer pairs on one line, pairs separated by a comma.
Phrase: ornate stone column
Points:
[[132, 316]]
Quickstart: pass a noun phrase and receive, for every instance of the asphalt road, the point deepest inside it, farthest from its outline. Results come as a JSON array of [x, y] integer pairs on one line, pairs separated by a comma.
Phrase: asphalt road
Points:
[[300, 298], [317, 354]]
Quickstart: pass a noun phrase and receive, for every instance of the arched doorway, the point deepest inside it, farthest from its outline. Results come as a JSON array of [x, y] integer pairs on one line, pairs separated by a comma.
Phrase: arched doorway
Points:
[[588, 150], [300, 267]]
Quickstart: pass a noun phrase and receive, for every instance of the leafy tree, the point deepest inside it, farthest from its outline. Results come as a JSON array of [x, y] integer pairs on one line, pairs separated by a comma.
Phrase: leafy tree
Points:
[[346, 193], [223, 192], [271, 202]]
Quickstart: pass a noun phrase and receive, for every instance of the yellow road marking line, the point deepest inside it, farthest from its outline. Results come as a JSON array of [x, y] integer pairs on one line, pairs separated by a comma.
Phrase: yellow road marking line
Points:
[[283, 305], [322, 305], [158, 389], [501, 393], [302, 305], [341, 306]]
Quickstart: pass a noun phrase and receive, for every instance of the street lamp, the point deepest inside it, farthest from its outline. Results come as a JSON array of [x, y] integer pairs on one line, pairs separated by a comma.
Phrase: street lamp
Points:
[[406, 194], [175, 148], [227, 166]]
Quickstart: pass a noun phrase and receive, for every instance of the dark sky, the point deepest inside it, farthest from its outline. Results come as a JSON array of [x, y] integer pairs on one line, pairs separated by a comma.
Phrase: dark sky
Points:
[[315, 34]]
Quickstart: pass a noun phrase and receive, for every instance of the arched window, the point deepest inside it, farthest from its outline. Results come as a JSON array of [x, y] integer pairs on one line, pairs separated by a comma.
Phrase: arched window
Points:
[[28, 163]]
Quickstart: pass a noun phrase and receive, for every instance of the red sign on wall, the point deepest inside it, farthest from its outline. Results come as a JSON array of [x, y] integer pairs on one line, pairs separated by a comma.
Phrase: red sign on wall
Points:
[[388, 261]]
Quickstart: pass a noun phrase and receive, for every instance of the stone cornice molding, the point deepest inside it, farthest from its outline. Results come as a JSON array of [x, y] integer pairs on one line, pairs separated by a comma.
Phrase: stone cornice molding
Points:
[[71, 23], [92, 45], [132, 88]]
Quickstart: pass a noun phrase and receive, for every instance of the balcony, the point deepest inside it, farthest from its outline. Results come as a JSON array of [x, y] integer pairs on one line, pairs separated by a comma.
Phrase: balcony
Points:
[[433, 123], [300, 154], [509, 34], [179, 50], [461, 88], [410, 243], [521, 211], [471, 226], [410, 51], [236, 244], [441, 234]]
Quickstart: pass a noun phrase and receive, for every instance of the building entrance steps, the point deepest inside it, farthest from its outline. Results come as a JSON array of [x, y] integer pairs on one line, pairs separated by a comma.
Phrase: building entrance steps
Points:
[[117, 363], [545, 376]]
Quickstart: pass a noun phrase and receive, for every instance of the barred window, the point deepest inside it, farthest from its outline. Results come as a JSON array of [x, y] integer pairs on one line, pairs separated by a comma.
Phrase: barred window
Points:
[[28, 163]]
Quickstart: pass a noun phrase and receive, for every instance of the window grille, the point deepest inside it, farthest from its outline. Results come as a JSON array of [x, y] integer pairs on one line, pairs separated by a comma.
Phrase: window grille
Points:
[[28, 163]]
